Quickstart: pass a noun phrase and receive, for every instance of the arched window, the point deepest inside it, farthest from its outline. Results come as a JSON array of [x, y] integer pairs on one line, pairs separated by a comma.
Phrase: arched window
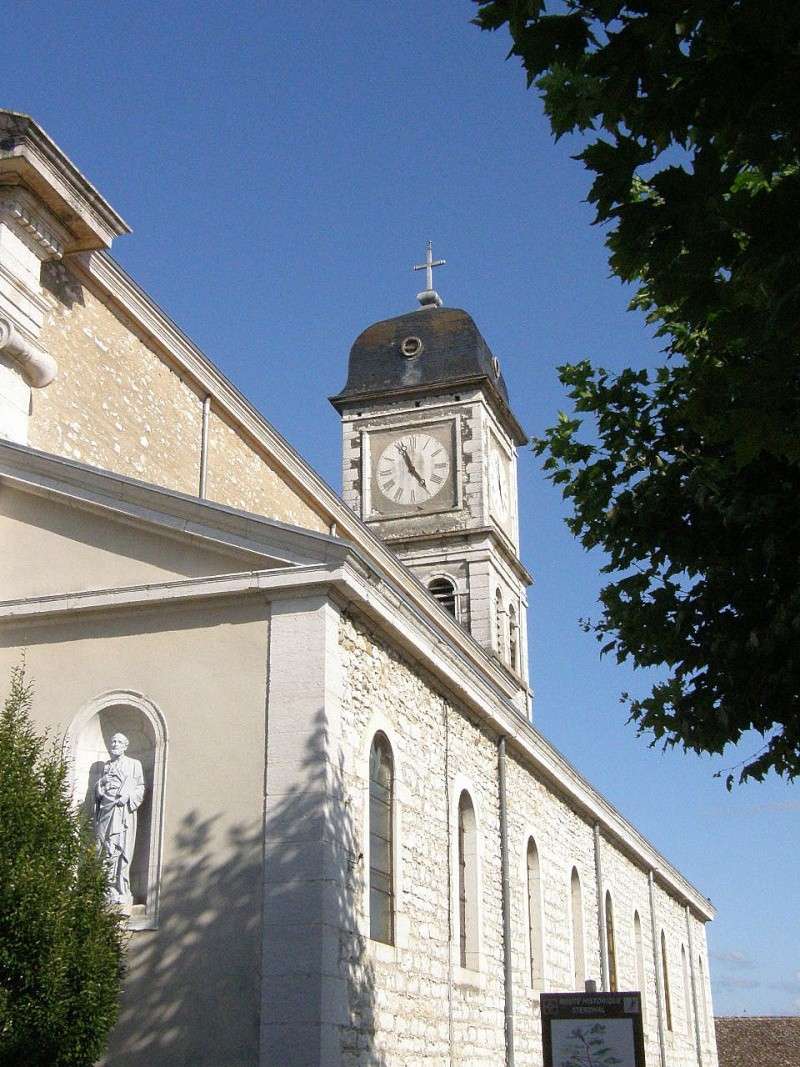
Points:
[[535, 938], [701, 996], [637, 937], [381, 887], [687, 990], [467, 854], [578, 953], [137, 876], [665, 980], [499, 628], [611, 946], [513, 638], [443, 590]]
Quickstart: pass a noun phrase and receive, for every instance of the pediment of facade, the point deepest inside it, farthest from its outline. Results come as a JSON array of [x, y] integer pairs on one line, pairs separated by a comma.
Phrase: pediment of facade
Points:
[[68, 528]]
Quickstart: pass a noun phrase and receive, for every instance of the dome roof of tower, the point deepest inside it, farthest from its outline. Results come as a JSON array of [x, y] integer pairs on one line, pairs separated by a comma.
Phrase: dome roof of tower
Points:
[[433, 347]]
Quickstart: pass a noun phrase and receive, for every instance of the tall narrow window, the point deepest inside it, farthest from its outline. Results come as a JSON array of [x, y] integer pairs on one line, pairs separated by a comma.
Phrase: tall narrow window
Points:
[[467, 883], [535, 938], [637, 936], [701, 996], [499, 629], [381, 890], [578, 955], [513, 638], [687, 990], [443, 590], [611, 946], [665, 980]]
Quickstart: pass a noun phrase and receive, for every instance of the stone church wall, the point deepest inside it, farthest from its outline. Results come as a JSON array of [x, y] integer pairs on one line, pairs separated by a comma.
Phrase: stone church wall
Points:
[[207, 678], [241, 477], [119, 404], [115, 403], [434, 742], [409, 986]]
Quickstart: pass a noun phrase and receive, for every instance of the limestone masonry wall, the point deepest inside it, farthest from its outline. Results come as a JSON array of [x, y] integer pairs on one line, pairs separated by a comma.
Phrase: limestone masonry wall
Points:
[[241, 477], [115, 404], [419, 1006], [119, 404]]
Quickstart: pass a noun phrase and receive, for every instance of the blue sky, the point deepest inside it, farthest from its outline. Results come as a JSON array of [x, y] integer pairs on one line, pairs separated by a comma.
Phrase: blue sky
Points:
[[282, 165]]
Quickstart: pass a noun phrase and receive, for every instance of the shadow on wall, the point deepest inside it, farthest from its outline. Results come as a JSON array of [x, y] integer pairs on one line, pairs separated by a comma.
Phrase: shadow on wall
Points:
[[193, 991], [314, 874], [58, 280], [191, 994]]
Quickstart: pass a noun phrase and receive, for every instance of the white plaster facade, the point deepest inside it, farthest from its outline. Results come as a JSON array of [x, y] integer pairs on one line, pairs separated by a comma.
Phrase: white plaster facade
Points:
[[269, 648]]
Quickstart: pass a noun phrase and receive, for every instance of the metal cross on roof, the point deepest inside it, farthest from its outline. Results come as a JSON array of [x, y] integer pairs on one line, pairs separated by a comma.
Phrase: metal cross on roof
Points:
[[429, 296]]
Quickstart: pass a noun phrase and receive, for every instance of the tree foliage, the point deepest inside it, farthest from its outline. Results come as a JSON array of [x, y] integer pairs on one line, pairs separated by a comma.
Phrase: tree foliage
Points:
[[60, 942], [689, 478]]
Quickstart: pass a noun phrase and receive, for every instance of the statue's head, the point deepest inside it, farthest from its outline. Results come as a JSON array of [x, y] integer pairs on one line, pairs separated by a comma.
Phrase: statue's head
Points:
[[119, 744]]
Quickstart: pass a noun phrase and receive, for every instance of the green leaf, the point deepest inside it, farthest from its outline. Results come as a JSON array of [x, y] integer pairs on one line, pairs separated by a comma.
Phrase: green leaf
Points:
[[688, 480]]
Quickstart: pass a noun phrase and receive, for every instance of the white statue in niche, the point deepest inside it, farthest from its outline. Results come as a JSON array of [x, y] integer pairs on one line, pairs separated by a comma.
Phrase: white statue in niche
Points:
[[118, 794]]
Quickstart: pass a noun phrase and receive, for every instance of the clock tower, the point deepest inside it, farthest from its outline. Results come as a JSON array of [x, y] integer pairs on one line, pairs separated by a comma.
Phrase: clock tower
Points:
[[429, 462]]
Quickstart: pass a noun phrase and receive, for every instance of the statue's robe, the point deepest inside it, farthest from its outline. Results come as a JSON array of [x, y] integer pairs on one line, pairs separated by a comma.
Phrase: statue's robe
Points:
[[115, 823]]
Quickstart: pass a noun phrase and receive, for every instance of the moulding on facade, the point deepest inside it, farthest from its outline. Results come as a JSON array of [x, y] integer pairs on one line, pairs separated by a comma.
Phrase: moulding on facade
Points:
[[28, 236], [30, 158], [47, 209], [21, 210]]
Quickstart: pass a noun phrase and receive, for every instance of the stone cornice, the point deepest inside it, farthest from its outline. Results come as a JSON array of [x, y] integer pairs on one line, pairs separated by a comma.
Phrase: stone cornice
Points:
[[20, 210], [503, 412], [175, 514], [29, 157], [473, 533]]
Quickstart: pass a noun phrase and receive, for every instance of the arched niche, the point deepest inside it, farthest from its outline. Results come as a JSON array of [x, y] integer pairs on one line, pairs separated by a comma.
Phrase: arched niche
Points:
[[88, 742]]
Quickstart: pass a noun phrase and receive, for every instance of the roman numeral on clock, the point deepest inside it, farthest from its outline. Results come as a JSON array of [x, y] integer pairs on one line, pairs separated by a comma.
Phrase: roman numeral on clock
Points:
[[411, 469]]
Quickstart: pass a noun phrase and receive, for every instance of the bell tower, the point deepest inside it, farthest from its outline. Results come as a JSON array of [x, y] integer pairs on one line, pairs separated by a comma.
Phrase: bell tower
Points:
[[429, 461]]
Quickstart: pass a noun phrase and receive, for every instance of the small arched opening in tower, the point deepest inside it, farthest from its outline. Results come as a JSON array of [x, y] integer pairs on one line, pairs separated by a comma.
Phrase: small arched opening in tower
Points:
[[443, 590]]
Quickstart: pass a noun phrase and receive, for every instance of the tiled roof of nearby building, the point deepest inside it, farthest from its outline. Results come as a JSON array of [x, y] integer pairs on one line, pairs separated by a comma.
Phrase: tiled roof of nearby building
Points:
[[758, 1041]]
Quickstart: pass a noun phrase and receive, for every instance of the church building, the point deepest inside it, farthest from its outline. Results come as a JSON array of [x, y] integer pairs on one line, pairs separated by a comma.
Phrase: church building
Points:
[[346, 842]]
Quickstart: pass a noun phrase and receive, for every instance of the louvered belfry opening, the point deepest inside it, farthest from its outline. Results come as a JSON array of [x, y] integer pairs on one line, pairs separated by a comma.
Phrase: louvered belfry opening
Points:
[[443, 590]]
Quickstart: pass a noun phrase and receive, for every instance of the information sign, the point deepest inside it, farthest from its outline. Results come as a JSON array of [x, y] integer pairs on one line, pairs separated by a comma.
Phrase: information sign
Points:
[[592, 1030]]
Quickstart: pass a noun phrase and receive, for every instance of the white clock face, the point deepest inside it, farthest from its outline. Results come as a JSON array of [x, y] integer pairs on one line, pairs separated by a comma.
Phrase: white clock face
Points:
[[412, 469], [498, 485]]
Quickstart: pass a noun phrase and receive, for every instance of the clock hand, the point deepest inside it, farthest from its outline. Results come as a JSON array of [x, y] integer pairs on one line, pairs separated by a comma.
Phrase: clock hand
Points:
[[401, 448]]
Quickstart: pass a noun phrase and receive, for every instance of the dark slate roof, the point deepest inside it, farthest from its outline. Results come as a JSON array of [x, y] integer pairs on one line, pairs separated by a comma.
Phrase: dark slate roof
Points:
[[452, 352], [758, 1040]]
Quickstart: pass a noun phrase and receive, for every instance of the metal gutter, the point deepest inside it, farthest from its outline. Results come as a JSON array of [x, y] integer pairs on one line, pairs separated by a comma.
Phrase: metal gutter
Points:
[[508, 984]]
